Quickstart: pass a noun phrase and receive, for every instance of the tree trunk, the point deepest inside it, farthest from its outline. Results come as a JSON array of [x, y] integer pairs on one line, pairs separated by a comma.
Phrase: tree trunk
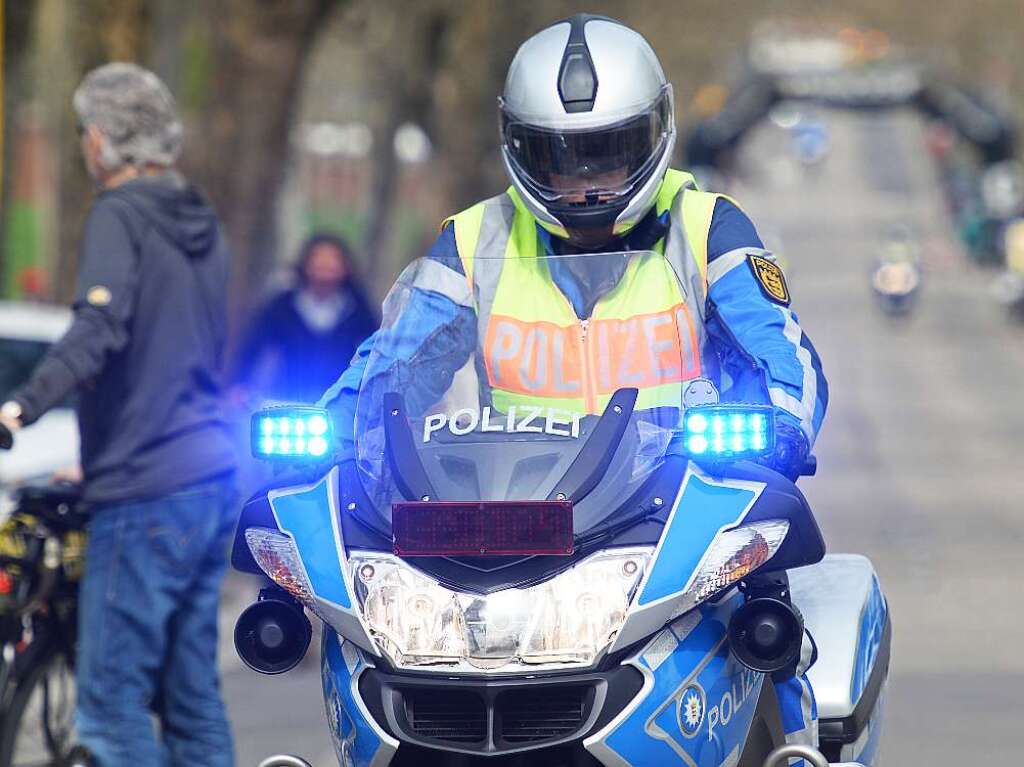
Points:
[[240, 151], [402, 91], [103, 31]]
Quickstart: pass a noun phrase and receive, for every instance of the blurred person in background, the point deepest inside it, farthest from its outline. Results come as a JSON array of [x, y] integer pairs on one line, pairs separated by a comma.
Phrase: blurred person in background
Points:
[[588, 130], [303, 336], [143, 352]]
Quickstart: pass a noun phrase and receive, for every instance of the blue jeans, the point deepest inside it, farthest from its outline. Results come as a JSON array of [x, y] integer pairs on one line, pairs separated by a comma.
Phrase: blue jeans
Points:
[[148, 630]]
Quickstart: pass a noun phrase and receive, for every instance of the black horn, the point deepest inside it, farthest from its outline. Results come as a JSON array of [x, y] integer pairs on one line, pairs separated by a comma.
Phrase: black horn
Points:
[[272, 634], [766, 634]]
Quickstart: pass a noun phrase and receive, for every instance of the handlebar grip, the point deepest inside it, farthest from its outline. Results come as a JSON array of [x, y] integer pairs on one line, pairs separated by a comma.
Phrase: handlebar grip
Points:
[[810, 467], [6, 438]]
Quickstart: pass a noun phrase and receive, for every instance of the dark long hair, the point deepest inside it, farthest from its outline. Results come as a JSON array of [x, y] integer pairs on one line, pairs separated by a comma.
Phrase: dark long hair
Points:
[[340, 244]]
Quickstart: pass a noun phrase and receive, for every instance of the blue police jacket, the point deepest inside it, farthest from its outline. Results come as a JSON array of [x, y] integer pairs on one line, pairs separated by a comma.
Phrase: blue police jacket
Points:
[[765, 356]]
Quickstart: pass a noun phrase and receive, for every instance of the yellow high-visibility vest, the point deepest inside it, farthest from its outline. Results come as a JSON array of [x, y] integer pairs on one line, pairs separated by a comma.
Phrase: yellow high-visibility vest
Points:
[[646, 333]]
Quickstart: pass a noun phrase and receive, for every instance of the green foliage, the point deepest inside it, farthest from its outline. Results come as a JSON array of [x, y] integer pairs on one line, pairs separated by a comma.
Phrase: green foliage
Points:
[[23, 243]]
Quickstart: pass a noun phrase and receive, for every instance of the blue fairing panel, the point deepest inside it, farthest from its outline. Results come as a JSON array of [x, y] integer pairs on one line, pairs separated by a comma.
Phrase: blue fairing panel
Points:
[[702, 509], [309, 514], [358, 741], [872, 627], [697, 702]]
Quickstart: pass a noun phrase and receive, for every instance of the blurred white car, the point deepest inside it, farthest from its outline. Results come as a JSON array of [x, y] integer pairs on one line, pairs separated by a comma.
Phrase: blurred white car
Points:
[[26, 331]]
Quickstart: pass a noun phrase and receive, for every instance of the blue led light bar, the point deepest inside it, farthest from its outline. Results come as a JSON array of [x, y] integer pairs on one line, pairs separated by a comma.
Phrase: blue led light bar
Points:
[[728, 432], [292, 433]]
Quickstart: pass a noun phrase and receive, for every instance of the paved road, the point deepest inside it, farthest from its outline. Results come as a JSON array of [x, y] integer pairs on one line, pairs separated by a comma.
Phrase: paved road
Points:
[[271, 714], [920, 458]]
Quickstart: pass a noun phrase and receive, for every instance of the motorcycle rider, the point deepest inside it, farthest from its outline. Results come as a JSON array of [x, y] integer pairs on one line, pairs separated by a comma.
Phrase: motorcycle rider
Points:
[[587, 134]]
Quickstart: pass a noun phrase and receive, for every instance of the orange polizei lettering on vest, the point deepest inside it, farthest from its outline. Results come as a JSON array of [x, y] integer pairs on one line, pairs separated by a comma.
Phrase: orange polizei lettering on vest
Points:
[[537, 358], [546, 360], [646, 350], [603, 352]]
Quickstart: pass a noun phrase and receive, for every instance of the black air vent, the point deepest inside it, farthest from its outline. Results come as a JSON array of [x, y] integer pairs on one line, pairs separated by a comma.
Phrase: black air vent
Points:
[[529, 715], [451, 715]]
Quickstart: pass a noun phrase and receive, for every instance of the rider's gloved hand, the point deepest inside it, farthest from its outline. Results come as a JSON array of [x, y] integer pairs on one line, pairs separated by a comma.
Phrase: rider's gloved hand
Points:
[[791, 449]]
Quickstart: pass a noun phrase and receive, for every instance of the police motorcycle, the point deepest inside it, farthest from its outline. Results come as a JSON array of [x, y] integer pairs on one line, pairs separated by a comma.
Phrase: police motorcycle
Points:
[[897, 274], [554, 551]]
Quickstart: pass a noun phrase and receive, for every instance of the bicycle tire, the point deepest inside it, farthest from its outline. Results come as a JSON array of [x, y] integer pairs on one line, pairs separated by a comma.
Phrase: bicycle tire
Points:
[[16, 703]]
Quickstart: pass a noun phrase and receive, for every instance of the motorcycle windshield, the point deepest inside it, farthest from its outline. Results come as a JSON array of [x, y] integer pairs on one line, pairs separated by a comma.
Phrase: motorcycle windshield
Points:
[[486, 386]]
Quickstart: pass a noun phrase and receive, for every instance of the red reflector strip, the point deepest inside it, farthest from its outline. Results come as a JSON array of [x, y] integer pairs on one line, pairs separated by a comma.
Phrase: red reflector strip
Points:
[[491, 528]]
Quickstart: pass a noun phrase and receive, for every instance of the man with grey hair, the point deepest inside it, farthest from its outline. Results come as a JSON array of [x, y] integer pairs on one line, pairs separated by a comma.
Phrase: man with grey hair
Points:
[[143, 353]]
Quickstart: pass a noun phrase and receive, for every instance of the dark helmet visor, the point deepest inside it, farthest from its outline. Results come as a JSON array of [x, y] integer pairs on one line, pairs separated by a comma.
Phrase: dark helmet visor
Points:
[[595, 163]]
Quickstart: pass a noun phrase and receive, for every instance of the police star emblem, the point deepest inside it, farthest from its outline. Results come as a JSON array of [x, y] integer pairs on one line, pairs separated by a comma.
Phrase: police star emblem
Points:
[[690, 709], [769, 276]]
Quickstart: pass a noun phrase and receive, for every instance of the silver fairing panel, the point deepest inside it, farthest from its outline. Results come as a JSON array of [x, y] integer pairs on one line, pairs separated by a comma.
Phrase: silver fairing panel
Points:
[[845, 613]]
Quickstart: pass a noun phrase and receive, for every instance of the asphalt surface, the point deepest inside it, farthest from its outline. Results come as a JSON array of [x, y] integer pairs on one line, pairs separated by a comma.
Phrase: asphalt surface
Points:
[[920, 459]]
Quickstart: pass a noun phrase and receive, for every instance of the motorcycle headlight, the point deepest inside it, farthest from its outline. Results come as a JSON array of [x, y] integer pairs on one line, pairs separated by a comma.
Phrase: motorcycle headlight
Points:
[[565, 621], [732, 557]]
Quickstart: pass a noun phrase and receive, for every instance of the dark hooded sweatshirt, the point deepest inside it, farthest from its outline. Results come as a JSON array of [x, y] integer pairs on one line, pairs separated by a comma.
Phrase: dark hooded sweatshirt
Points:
[[145, 347]]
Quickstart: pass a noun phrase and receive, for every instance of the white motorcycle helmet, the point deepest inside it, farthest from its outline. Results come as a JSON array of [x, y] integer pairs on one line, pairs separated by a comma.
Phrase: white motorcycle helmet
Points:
[[587, 128]]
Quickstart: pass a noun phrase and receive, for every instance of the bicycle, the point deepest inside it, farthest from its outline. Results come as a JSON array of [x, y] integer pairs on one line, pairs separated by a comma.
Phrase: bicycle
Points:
[[42, 548]]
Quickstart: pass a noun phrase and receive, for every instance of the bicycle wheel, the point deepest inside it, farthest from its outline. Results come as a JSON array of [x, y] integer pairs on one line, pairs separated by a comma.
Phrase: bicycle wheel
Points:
[[37, 727]]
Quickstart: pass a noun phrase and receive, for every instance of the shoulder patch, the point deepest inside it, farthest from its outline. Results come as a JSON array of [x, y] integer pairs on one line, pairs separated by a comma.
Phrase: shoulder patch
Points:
[[771, 279], [98, 295]]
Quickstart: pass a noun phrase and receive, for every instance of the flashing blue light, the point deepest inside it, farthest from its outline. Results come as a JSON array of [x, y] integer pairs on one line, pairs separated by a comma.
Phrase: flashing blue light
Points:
[[697, 424], [291, 432], [697, 444], [728, 432]]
